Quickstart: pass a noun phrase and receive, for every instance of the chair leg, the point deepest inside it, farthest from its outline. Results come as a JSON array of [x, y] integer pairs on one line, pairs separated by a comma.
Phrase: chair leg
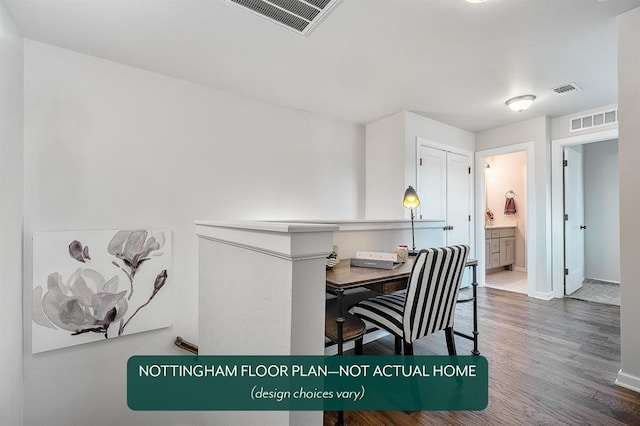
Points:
[[451, 343], [398, 345], [358, 346], [408, 348]]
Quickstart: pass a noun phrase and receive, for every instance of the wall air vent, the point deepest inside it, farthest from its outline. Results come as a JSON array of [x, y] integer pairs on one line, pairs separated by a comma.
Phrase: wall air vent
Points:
[[565, 89], [296, 15], [593, 120]]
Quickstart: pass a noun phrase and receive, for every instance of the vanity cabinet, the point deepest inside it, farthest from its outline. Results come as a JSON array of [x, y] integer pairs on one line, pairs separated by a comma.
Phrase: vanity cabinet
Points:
[[500, 246]]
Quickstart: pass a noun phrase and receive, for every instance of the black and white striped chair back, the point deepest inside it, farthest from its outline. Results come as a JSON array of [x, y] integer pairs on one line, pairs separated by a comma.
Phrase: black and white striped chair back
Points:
[[432, 290]]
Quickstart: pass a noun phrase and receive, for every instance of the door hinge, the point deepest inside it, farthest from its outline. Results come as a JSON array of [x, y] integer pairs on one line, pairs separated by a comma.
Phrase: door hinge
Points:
[[469, 218], [469, 170], [421, 161], [566, 271], [566, 217], [565, 163]]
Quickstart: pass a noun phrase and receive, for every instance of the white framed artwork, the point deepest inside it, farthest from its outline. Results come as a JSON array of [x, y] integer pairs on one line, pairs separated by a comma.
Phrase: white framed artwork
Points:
[[95, 285]]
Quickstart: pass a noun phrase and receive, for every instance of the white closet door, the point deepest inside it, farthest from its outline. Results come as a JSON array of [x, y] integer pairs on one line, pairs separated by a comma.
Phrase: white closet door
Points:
[[458, 199], [432, 184]]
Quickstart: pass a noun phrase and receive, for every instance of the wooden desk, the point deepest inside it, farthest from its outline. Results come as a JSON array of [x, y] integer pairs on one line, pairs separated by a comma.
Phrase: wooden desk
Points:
[[344, 277]]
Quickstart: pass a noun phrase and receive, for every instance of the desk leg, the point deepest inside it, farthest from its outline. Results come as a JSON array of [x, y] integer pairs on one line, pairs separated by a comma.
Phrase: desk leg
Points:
[[474, 284], [339, 325], [339, 318]]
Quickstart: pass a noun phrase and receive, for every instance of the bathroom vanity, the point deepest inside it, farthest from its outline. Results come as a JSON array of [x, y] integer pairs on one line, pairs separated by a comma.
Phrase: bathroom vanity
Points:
[[500, 246]]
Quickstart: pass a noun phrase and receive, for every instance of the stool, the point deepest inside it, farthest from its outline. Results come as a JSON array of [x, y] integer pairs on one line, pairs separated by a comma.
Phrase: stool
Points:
[[353, 328]]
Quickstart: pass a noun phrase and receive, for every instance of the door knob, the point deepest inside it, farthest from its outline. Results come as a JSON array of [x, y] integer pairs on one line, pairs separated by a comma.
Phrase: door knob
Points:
[[583, 227]]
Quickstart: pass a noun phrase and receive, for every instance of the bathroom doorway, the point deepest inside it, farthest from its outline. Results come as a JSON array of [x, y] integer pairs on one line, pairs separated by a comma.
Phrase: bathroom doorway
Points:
[[497, 179], [506, 222]]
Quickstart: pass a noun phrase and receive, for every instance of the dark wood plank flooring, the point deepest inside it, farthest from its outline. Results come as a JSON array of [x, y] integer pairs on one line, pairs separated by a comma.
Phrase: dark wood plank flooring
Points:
[[550, 363]]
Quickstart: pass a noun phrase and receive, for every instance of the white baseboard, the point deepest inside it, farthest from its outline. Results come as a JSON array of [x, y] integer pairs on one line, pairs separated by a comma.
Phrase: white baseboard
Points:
[[543, 296], [519, 269], [628, 381], [600, 281]]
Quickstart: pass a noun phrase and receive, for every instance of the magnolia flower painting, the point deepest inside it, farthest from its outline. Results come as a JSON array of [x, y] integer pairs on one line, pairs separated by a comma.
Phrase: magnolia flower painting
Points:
[[95, 285]]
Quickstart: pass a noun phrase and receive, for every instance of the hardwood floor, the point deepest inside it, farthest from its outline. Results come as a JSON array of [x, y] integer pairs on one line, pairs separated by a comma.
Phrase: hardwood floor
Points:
[[550, 362]]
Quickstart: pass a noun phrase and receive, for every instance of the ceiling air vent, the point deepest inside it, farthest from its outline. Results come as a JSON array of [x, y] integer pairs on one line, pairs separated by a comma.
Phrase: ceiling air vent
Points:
[[296, 15], [565, 89], [593, 120]]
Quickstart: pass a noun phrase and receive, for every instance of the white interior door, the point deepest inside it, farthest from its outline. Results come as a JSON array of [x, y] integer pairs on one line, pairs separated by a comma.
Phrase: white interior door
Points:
[[574, 219], [458, 199], [444, 188], [432, 184]]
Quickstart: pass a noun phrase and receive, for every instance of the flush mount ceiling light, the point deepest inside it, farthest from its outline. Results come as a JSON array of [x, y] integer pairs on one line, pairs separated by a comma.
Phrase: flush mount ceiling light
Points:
[[520, 103]]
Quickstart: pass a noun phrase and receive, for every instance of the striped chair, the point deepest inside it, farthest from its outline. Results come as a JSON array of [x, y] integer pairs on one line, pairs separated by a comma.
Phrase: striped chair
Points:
[[427, 304]]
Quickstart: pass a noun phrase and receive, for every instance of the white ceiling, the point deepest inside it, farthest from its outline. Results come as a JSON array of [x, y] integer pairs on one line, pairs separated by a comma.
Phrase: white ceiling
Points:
[[446, 59]]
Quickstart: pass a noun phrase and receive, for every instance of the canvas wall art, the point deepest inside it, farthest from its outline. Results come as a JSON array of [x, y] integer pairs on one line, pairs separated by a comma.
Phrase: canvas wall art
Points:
[[95, 285]]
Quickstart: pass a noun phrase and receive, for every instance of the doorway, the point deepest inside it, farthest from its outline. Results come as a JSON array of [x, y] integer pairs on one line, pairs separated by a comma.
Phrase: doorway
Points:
[[495, 199], [506, 222], [591, 222], [600, 219]]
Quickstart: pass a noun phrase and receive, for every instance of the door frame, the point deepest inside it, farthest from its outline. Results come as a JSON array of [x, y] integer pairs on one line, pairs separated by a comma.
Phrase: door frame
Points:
[[557, 195], [531, 243]]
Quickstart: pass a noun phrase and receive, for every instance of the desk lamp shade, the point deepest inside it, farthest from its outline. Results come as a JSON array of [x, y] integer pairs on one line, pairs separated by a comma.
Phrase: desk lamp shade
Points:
[[411, 201]]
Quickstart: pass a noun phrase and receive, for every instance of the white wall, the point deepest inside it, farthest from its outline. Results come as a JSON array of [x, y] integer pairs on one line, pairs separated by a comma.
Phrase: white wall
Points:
[[391, 158], [11, 210], [508, 173], [560, 125], [538, 131], [434, 131], [601, 211], [629, 155], [385, 162], [109, 146]]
